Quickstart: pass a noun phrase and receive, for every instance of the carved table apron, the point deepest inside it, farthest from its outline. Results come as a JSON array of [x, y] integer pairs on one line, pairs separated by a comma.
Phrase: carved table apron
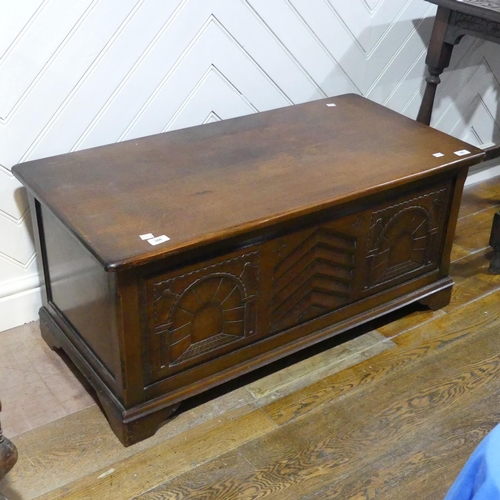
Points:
[[285, 228]]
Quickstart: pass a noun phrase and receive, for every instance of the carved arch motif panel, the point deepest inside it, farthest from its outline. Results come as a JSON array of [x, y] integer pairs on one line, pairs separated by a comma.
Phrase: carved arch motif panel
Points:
[[405, 237], [198, 313]]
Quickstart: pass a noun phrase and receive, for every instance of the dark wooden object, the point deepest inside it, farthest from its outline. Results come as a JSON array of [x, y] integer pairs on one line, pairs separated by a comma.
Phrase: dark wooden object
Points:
[[8, 454], [286, 227], [495, 244], [454, 19]]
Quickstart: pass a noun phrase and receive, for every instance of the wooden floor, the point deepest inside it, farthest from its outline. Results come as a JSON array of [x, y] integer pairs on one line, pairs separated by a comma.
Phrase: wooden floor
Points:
[[392, 412]]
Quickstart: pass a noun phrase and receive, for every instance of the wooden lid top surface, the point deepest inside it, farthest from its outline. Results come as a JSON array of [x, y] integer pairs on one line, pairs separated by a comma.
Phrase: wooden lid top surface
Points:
[[205, 183]]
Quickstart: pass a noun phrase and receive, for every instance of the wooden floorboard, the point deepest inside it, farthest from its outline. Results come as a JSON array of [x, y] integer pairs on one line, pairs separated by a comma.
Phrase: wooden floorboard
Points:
[[480, 196], [81, 444], [392, 412], [396, 423], [466, 322], [472, 232], [292, 378], [145, 469], [472, 279]]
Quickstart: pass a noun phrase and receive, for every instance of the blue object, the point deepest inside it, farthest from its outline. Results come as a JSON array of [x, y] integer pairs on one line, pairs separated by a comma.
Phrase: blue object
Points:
[[480, 477]]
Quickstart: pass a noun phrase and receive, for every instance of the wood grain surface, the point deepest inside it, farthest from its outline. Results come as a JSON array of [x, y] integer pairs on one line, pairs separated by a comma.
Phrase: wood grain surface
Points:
[[170, 184]]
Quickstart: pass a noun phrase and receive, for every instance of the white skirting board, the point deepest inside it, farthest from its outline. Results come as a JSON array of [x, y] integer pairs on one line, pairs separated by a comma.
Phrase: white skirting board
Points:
[[20, 301]]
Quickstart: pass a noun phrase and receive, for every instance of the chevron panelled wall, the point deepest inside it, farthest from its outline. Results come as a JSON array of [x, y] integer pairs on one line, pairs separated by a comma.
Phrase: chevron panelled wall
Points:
[[81, 73]]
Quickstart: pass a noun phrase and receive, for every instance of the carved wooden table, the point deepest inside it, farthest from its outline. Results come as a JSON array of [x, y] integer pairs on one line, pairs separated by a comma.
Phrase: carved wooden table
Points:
[[176, 262], [454, 19]]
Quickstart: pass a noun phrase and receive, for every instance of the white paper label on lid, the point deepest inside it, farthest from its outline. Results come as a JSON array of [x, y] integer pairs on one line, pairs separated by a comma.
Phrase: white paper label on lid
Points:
[[158, 240], [462, 152], [146, 236], [331, 105], [438, 155]]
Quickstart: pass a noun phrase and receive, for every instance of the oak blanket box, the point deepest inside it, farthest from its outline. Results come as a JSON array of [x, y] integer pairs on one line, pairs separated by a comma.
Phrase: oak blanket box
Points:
[[176, 262]]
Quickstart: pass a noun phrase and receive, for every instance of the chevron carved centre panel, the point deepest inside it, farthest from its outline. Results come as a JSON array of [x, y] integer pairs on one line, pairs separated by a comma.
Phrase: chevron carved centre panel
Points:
[[199, 312], [313, 279]]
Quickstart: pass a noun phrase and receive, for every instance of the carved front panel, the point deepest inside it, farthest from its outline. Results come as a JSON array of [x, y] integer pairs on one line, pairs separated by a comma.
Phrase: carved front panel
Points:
[[201, 313], [405, 237], [312, 277], [198, 313]]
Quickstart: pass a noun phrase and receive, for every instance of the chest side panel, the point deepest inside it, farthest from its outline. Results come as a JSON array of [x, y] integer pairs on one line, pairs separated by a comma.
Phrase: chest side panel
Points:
[[81, 297]]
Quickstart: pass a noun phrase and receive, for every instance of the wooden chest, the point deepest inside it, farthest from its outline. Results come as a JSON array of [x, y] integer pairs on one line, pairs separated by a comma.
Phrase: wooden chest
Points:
[[176, 262]]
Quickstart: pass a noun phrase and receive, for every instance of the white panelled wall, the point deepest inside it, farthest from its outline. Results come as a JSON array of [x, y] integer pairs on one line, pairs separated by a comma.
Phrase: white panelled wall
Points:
[[82, 73]]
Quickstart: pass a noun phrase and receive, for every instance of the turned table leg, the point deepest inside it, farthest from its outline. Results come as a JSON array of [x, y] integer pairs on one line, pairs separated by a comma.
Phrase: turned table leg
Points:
[[438, 58], [8, 455]]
